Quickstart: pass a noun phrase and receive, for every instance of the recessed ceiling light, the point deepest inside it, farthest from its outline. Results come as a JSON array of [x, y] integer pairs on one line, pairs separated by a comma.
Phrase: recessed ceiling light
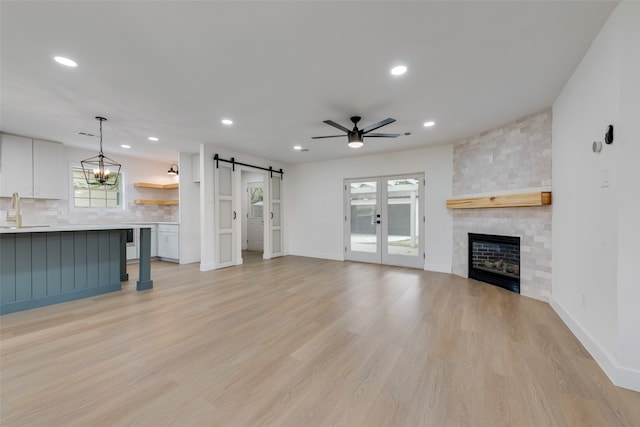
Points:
[[227, 121], [398, 70], [429, 123], [297, 147], [125, 146], [65, 61], [153, 138]]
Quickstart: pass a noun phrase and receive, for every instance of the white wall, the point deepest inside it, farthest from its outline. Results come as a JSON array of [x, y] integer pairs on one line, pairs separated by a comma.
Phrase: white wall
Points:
[[595, 228], [628, 180], [189, 212], [315, 191]]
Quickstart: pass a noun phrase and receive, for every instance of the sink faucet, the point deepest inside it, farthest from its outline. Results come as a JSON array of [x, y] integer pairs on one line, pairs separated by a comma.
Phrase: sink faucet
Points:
[[15, 207]]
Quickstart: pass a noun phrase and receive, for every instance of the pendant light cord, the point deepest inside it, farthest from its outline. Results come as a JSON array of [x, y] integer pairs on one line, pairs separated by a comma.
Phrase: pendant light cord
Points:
[[101, 119]]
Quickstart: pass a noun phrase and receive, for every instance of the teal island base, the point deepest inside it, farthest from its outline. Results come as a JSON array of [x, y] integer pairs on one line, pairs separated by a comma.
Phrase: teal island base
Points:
[[50, 267]]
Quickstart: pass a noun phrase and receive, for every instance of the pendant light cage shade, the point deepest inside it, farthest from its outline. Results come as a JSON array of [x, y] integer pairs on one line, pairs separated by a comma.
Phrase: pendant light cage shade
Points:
[[100, 170]]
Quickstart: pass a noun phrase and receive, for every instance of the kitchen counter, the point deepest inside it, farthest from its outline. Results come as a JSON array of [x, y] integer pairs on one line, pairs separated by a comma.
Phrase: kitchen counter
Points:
[[47, 265], [69, 227]]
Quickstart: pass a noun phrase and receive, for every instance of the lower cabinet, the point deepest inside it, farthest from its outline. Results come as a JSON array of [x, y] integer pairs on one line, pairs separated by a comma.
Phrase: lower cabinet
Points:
[[168, 242]]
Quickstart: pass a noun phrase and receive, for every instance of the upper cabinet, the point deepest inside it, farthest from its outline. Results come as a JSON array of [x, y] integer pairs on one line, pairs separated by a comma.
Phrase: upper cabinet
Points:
[[31, 168]]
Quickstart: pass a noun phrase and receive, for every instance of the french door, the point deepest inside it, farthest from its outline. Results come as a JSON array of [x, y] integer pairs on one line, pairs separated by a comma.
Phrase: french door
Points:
[[384, 220]]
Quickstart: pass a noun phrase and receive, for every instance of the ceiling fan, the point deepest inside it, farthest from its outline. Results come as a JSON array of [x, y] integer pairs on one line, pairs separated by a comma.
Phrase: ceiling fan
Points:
[[356, 135]]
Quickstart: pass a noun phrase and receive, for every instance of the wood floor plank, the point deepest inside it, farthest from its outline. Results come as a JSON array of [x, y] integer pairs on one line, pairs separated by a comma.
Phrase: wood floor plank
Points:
[[297, 341]]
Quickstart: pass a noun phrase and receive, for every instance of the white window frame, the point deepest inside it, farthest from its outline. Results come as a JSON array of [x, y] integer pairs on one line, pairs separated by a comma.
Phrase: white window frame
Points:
[[72, 197]]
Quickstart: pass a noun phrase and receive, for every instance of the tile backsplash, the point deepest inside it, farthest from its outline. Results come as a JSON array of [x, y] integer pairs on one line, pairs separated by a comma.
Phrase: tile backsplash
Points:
[[41, 211]]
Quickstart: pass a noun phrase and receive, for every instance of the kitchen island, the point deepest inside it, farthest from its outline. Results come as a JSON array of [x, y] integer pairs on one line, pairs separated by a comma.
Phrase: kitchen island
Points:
[[44, 265]]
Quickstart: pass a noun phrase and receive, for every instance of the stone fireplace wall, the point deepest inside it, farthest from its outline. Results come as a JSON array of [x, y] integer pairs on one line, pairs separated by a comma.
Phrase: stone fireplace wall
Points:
[[514, 158]]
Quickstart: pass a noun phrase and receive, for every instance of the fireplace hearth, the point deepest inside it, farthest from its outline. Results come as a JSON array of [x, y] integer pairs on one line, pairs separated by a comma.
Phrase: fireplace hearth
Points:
[[495, 260]]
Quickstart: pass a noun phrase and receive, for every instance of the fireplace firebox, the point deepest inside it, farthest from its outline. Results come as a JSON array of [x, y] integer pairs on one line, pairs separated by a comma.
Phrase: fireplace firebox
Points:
[[495, 260]]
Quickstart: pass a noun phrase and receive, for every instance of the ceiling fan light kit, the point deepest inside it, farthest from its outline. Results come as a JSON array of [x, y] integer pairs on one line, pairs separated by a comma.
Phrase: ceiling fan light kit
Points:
[[356, 136]]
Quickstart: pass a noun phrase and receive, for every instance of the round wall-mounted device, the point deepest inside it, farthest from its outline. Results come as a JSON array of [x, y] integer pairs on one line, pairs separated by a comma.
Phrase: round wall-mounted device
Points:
[[597, 146]]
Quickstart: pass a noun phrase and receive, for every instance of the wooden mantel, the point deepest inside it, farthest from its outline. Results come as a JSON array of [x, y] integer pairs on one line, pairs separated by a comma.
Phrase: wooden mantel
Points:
[[538, 198]]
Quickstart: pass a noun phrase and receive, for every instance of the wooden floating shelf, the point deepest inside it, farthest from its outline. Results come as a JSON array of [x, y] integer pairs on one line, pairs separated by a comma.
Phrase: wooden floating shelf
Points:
[[156, 186], [155, 202], [538, 198]]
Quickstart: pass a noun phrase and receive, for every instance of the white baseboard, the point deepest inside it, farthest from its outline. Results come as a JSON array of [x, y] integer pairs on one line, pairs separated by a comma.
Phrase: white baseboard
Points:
[[438, 268], [207, 267], [619, 375], [332, 257]]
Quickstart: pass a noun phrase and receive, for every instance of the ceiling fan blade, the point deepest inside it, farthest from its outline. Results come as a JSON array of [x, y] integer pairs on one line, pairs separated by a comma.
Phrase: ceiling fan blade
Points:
[[337, 125], [383, 135], [330, 136], [377, 125]]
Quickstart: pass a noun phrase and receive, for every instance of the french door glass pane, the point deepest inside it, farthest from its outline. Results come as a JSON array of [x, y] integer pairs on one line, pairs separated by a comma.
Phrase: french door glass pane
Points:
[[363, 205], [403, 216]]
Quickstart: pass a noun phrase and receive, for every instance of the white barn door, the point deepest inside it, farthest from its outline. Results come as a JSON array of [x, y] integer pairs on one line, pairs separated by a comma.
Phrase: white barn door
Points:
[[274, 218], [225, 215]]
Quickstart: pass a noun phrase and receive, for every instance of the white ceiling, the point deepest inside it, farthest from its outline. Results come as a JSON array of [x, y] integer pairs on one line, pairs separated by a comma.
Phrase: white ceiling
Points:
[[278, 69]]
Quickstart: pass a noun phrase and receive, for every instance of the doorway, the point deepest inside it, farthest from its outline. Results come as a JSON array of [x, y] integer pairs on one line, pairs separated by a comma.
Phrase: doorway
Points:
[[230, 213], [253, 209], [384, 220]]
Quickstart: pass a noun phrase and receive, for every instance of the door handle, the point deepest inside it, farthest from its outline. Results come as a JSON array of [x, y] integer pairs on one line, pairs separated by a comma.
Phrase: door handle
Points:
[[234, 214], [271, 215]]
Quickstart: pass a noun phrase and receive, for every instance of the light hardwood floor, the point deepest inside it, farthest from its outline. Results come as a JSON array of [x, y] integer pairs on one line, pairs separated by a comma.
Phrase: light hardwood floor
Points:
[[302, 342]]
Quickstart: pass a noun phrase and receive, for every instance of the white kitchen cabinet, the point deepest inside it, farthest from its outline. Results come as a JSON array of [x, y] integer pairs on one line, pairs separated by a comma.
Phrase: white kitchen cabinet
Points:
[[168, 242], [133, 248], [48, 170], [31, 167]]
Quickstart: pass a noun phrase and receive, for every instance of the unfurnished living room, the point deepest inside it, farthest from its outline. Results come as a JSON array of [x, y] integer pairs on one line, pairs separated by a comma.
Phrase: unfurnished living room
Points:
[[319, 213]]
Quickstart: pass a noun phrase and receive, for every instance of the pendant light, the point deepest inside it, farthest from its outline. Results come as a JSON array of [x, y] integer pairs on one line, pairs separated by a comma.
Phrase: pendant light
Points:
[[101, 170]]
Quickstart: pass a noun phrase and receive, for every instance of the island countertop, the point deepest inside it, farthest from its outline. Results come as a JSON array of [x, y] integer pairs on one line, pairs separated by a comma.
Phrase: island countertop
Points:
[[72, 227]]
